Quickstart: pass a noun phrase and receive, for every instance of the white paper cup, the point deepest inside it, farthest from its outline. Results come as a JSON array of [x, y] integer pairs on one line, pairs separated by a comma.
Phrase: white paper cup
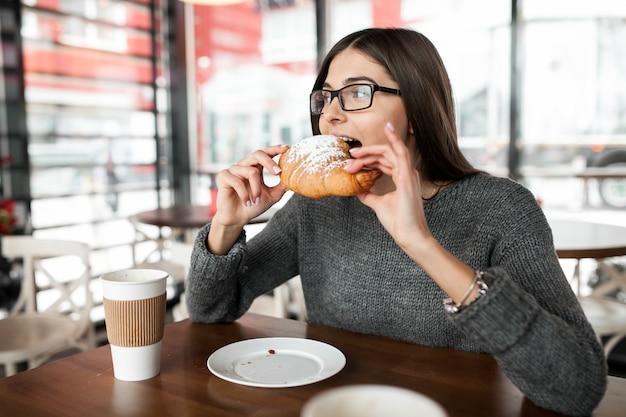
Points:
[[134, 309], [371, 401]]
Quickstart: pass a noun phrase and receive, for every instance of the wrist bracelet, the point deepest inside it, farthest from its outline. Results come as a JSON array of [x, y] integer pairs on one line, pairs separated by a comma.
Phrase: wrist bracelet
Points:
[[479, 280]]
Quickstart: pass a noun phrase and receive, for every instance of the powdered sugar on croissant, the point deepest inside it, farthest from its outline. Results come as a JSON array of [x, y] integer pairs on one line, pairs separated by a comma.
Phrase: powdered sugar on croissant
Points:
[[314, 167]]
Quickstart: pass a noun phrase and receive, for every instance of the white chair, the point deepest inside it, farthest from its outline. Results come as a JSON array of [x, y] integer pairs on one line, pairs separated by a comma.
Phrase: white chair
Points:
[[606, 314], [51, 313], [288, 300], [180, 254], [285, 301], [158, 253]]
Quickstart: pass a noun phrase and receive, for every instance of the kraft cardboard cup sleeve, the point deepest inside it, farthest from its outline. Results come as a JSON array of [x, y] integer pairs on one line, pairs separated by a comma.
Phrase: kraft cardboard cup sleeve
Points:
[[134, 312]]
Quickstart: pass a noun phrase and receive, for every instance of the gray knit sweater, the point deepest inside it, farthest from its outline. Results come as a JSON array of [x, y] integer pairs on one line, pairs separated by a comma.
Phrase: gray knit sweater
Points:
[[355, 277]]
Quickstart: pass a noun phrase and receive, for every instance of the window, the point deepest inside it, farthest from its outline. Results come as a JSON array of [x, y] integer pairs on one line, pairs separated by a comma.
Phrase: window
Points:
[[573, 99], [253, 62], [96, 117], [13, 158], [473, 38]]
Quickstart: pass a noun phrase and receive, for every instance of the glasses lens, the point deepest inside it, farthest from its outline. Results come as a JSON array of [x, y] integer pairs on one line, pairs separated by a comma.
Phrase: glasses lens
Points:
[[317, 102], [356, 97]]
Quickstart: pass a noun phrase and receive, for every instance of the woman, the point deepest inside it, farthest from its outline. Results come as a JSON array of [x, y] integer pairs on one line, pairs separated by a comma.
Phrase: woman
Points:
[[432, 228]]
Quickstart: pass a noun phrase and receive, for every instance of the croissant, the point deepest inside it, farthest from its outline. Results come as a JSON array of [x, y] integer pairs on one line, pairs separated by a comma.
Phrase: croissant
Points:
[[314, 167]]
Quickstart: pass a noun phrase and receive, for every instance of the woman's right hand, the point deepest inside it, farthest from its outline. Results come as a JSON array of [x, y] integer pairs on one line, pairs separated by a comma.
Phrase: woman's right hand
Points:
[[243, 195]]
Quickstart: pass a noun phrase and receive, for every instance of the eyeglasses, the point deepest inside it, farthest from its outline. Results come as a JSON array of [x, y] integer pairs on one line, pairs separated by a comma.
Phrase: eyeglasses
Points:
[[351, 97]]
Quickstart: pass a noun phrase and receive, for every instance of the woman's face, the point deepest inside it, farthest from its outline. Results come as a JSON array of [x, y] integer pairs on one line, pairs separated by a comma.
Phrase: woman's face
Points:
[[367, 125]]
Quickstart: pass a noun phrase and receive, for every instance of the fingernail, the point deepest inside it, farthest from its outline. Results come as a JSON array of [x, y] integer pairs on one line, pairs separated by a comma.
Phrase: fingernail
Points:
[[348, 164], [276, 169], [257, 201], [248, 203], [390, 127]]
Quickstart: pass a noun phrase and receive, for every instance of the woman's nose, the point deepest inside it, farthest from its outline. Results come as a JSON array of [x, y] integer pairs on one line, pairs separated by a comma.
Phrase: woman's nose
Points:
[[333, 109]]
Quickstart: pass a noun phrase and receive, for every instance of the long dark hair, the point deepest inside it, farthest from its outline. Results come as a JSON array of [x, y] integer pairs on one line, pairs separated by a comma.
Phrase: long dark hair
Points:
[[414, 63]]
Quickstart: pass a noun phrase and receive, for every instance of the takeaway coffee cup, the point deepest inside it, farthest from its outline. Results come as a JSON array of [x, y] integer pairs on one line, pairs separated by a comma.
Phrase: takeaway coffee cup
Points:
[[134, 310]]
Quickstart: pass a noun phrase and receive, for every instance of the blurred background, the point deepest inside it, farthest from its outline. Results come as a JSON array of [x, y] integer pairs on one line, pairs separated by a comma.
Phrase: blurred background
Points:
[[111, 107]]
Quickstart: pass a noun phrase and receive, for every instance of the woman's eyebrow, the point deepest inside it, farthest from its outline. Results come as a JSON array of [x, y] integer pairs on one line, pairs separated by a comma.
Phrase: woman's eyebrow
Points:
[[352, 80]]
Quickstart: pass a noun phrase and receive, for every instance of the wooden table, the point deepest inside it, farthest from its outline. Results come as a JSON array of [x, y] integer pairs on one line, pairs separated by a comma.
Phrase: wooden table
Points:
[[585, 174], [185, 216], [577, 239], [466, 384], [184, 220], [614, 173], [178, 216]]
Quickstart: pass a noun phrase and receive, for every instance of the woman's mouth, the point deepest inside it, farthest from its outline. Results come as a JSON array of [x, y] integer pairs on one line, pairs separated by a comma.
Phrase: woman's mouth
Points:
[[353, 143]]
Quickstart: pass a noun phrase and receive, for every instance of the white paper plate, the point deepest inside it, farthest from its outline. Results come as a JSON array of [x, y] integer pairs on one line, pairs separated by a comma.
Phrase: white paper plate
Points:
[[276, 362]]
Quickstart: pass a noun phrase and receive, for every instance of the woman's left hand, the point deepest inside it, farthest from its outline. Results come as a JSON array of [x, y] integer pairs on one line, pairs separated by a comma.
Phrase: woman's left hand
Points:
[[400, 211]]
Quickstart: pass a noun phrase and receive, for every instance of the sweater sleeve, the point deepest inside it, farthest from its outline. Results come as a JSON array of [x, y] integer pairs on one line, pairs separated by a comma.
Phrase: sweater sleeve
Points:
[[557, 365], [532, 323], [211, 289], [222, 288]]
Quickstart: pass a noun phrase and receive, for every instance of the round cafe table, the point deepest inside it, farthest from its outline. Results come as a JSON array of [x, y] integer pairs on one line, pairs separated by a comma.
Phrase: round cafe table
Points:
[[577, 239], [178, 216], [184, 220], [186, 216]]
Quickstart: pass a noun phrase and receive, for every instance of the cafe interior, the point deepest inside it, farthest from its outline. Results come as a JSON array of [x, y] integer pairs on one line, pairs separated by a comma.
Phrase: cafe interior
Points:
[[117, 115]]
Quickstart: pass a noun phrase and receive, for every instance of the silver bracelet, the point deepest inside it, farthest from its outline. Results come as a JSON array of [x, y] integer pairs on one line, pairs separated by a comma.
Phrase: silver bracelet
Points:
[[479, 280]]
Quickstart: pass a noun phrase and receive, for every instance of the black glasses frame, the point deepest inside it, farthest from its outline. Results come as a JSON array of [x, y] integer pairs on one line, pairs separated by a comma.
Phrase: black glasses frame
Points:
[[318, 110]]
